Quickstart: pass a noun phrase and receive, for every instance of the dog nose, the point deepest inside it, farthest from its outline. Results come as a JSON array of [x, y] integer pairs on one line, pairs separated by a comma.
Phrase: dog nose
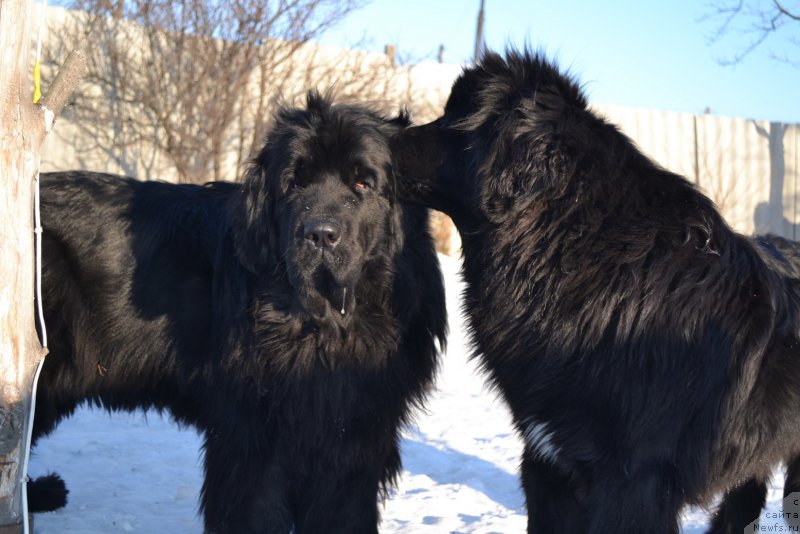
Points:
[[323, 234]]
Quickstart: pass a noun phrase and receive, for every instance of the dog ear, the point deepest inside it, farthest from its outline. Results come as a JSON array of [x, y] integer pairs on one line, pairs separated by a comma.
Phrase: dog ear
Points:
[[393, 129], [522, 163], [503, 178], [522, 116], [253, 227]]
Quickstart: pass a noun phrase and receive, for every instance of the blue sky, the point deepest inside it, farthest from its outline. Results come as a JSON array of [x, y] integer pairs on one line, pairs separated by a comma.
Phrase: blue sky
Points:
[[646, 53]]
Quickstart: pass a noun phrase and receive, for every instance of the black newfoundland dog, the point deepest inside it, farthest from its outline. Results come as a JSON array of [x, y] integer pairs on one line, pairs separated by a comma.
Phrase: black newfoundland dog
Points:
[[649, 354], [293, 318]]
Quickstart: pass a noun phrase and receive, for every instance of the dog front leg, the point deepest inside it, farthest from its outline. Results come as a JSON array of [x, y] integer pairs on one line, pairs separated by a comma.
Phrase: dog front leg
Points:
[[243, 492]]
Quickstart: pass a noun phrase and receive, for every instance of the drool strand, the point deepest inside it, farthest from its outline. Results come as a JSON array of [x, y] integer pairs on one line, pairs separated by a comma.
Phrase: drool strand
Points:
[[344, 297]]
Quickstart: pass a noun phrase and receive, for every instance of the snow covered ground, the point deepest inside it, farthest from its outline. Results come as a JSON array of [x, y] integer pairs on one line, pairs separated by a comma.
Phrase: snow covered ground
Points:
[[141, 473]]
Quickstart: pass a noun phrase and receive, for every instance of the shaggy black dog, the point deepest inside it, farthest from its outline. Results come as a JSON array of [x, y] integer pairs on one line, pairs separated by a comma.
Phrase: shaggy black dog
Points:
[[293, 318], [649, 354]]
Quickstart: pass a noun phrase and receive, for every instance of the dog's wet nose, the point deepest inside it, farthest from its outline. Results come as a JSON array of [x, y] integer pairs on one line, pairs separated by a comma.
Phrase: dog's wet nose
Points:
[[324, 234]]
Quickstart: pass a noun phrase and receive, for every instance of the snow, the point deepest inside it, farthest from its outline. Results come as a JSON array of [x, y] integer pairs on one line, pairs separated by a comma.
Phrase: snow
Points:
[[139, 472]]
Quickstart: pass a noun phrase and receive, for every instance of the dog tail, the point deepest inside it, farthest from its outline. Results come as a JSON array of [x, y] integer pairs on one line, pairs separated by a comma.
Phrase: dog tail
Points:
[[47, 493]]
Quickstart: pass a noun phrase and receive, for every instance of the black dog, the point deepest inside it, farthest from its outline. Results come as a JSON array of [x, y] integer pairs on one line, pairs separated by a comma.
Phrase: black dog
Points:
[[292, 318], [649, 354]]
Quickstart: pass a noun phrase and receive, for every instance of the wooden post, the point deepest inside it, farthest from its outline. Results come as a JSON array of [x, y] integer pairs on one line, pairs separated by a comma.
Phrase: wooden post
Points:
[[479, 40], [23, 127]]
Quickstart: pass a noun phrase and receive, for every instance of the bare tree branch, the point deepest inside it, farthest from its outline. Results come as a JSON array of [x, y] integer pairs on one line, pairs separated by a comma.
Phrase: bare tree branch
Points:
[[186, 70], [759, 22], [64, 84], [785, 11]]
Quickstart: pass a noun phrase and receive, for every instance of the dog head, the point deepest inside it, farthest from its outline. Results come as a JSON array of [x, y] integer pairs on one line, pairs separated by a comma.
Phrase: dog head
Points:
[[319, 203], [498, 140]]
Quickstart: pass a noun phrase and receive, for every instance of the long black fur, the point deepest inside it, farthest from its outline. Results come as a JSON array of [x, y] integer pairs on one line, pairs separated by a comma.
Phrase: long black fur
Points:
[[298, 360], [649, 354]]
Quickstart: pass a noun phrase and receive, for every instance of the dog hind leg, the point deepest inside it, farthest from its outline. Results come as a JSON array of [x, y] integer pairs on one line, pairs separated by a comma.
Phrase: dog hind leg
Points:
[[644, 500]]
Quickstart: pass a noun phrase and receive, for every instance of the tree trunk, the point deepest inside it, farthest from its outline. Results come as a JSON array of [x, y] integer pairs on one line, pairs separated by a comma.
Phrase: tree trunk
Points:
[[23, 126]]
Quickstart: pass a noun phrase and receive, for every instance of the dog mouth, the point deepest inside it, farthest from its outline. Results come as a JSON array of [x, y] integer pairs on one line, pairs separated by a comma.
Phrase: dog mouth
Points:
[[340, 294], [322, 293]]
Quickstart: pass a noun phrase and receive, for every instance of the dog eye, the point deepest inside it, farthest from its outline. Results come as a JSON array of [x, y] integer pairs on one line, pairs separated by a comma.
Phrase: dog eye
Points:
[[362, 184], [363, 179], [298, 175]]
